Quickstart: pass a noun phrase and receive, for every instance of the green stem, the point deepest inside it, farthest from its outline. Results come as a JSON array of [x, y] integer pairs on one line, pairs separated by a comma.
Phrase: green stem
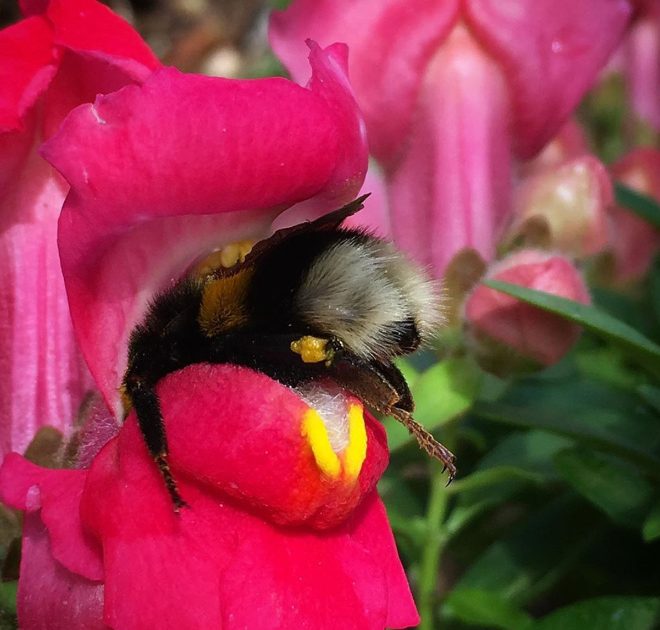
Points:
[[435, 542]]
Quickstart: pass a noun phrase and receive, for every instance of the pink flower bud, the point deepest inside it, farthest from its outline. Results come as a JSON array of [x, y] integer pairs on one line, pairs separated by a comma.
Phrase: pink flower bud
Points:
[[569, 143], [570, 200], [634, 241], [499, 323]]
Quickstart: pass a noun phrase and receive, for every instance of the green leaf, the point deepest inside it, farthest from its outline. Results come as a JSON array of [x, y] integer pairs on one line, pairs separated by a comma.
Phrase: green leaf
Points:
[[486, 478], [633, 342], [605, 613], [445, 391], [8, 596], [409, 372], [599, 415], [607, 363], [405, 511], [651, 527], [518, 567], [641, 204], [612, 486], [441, 393], [486, 609], [654, 289], [527, 453], [651, 395], [531, 451], [396, 490], [483, 490]]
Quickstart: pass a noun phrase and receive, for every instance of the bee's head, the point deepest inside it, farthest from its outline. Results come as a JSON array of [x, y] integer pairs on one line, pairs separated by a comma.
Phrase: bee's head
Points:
[[363, 291]]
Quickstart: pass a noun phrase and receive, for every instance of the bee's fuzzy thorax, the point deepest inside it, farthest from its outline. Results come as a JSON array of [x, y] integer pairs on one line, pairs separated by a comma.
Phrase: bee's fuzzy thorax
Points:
[[370, 296]]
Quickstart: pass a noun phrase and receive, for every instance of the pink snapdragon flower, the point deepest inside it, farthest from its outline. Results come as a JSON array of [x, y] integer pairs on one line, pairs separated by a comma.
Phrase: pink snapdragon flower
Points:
[[63, 53], [284, 528], [455, 93], [498, 323]]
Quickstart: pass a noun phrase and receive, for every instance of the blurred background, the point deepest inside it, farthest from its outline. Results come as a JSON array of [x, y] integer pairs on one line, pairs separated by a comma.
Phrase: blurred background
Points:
[[554, 519]]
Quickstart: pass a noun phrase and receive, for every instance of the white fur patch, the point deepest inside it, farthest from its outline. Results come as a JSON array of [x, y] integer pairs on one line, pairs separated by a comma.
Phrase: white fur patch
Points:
[[359, 291]]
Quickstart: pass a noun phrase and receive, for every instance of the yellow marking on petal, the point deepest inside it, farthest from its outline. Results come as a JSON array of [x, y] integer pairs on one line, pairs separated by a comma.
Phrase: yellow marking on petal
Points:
[[311, 349], [317, 436], [356, 451]]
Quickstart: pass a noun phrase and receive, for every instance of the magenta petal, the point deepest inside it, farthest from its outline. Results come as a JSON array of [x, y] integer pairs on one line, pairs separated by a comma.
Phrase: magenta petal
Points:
[[49, 596], [144, 171], [28, 487], [167, 582], [26, 69], [325, 580], [375, 216], [330, 72], [80, 77], [110, 35], [164, 565], [396, 38], [552, 51], [372, 530]]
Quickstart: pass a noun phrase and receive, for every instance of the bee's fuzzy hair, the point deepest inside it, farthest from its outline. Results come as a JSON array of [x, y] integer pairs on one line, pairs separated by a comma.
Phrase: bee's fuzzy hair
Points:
[[364, 291]]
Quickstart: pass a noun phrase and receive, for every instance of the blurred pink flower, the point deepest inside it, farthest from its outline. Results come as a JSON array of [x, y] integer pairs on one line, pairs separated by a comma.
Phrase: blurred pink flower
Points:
[[375, 215], [641, 62], [62, 54], [497, 321], [271, 538], [634, 241], [454, 93]]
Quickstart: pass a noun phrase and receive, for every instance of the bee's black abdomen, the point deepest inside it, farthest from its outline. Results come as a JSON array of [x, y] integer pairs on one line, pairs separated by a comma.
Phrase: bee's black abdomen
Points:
[[170, 337]]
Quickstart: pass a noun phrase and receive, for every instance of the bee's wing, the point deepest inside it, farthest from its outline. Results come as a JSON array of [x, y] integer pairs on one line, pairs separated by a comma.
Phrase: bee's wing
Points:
[[329, 221]]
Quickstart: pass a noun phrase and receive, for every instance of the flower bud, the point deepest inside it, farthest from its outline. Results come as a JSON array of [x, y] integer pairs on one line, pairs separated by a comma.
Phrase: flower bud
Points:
[[634, 241], [569, 143], [498, 323], [567, 204]]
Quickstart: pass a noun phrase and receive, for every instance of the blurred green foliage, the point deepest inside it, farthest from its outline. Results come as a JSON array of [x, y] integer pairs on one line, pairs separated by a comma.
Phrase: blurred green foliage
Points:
[[554, 519]]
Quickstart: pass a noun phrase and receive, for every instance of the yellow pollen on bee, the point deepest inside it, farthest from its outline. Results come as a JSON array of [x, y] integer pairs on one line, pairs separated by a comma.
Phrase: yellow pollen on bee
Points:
[[352, 457], [126, 402], [356, 451], [311, 349], [317, 436], [227, 257], [234, 253]]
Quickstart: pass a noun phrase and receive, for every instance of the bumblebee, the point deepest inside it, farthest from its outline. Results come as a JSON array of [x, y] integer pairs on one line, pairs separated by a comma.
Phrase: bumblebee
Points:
[[314, 301]]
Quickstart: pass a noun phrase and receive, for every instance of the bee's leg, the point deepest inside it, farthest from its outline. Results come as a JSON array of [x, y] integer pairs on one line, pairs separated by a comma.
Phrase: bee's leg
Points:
[[427, 442], [382, 386], [150, 420]]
